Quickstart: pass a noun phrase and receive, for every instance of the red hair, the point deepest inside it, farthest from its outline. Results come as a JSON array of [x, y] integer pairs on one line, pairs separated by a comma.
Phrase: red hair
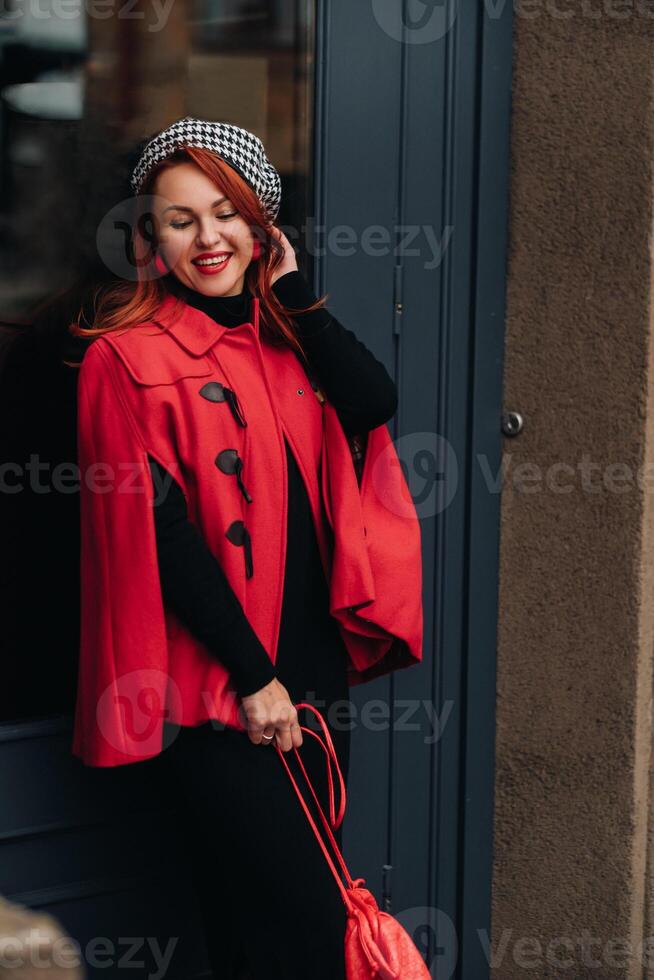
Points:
[[123, 303]]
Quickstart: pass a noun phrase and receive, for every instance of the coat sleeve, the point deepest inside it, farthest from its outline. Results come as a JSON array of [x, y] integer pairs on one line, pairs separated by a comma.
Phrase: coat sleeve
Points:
[[123, 684], [376, 576]]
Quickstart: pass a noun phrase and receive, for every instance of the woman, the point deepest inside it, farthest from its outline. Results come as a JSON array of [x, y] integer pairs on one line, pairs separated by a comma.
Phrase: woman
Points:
[[225, 579]]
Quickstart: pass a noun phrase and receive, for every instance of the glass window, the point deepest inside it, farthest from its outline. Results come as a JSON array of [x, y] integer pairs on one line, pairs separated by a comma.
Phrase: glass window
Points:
[[80, 83]]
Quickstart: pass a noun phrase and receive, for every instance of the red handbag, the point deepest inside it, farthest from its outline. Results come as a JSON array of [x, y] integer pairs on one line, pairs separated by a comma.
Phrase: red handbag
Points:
[[376, 945]]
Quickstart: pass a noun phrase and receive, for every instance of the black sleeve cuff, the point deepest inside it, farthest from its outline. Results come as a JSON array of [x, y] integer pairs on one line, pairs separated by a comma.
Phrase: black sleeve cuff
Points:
[[251, 667]]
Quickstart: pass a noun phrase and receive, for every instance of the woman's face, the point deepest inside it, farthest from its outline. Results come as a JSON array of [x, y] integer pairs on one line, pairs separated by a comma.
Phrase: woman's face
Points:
[[202, 238]]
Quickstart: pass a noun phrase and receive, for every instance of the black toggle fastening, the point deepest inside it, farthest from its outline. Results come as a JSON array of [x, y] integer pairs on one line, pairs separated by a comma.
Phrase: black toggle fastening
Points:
[[229, 461], [214, 391], [235, 407], [238, 534]]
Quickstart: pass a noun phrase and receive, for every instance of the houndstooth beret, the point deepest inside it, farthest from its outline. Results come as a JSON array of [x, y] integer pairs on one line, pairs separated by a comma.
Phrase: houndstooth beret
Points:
[[239, 147]]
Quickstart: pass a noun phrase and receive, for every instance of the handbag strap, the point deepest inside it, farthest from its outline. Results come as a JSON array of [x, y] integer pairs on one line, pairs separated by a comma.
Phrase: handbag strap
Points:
[[329, 860], [331, 754], [372, 954], [334, 821]]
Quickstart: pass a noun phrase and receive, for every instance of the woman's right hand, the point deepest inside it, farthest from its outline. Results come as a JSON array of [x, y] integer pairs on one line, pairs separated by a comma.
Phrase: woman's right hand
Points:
[[270, 711]]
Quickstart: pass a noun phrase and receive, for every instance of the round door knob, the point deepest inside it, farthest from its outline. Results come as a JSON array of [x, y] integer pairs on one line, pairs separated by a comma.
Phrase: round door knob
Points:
[[512, 423]]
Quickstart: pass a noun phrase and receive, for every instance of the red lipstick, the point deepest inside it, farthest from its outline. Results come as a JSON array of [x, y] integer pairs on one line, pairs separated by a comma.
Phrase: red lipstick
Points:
[[210, 266]]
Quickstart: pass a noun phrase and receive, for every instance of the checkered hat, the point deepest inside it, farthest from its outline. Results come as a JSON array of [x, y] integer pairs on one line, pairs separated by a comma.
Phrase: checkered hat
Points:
[[238, 147]]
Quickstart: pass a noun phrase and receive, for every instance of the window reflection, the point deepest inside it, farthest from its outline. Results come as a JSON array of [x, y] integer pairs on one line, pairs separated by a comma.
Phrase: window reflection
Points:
[[79, 85]]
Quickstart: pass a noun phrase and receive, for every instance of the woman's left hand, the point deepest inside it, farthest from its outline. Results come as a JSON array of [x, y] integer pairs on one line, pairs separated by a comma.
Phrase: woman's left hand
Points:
[[289, 261]]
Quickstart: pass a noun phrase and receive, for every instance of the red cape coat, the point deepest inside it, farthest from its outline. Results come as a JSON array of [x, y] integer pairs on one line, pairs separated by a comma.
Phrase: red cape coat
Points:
[[142, 391]]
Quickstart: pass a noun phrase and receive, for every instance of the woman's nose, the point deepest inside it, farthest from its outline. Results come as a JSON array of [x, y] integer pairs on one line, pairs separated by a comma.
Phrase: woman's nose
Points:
[[208, 235]]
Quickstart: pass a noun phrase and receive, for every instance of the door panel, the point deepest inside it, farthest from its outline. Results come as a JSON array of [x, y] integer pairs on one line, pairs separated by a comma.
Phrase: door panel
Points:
[[356, 167], [414, 154]]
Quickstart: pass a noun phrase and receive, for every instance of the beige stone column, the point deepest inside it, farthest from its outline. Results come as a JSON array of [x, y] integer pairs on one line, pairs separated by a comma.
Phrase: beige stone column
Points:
[[573, 827]]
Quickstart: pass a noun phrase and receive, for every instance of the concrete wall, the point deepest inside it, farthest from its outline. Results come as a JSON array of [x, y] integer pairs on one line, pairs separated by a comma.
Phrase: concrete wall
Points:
[[572, 875]]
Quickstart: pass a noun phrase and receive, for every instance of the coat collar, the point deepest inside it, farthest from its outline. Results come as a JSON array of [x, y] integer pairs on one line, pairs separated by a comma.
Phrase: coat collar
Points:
[[194, 330]]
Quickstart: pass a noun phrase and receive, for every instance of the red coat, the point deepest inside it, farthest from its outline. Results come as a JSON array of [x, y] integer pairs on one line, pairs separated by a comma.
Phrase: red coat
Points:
[[142, 391]]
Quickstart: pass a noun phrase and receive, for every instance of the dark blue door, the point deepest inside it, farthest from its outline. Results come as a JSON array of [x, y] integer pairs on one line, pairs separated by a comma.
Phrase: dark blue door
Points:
[[397, 157], [413, 107]]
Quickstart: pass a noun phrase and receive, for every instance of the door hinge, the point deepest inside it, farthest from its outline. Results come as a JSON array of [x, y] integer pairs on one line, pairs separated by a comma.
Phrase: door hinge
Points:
[[386, 887], [397, 299]]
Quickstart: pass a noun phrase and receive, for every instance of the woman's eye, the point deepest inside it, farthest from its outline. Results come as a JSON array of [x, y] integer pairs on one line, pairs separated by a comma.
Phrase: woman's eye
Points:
[[221, 217]]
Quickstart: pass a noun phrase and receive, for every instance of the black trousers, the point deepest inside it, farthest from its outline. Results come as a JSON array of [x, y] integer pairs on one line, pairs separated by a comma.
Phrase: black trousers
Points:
[[271, 907]]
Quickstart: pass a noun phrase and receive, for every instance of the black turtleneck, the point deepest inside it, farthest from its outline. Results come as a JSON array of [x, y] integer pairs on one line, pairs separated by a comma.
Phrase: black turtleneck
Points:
[[192, 580]]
